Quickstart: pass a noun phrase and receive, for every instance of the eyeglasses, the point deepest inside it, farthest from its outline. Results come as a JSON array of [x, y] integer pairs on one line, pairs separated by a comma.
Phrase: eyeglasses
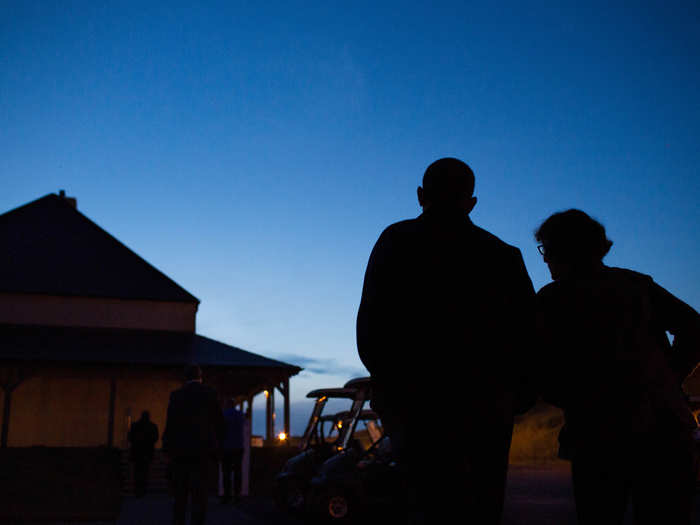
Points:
[[541, 249]]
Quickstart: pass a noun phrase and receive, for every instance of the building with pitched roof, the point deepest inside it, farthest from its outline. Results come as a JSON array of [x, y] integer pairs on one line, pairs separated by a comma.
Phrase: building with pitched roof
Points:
[[91, 335]]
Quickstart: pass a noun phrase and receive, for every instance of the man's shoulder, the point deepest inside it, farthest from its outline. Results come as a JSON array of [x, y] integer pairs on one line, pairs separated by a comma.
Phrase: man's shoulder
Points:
[[627, 275], [552, 298], [404, 227], [548, 290], [193, 388], [491, 240], [418, 225], [202, 389], [398, 235], [176, 393]]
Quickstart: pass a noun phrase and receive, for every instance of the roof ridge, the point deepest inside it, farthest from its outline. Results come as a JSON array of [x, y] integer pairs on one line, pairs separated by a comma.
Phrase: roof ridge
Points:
[[76, 228], [26, 205], [148, 265], [281, 363]]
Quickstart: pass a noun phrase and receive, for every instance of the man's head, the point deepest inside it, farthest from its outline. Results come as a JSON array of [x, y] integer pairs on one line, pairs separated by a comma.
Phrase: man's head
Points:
[[193, 372], [448, 185], [145, 415], [572, 242]]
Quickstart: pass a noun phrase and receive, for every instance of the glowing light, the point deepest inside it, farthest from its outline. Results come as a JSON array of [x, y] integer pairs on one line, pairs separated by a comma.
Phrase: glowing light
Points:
[[340, 424], [267, 394], [281, 436]]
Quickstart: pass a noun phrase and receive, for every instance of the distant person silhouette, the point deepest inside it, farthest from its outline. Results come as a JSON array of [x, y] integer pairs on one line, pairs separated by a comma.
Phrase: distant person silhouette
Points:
[[191, 439], [232, 452], [608, 363], [143, 435], [444, 329]]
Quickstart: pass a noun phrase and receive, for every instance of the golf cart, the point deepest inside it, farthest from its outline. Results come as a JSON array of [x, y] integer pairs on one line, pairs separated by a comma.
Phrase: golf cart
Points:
[[325, 435], [354, 484]]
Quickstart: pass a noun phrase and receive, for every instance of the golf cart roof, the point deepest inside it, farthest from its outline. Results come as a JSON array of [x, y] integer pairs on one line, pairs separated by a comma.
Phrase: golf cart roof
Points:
[[364, 415], [348, 393], [359, 382]]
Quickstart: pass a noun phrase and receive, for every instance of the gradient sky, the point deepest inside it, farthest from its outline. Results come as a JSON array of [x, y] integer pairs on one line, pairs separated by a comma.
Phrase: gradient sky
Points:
[[254, 151]]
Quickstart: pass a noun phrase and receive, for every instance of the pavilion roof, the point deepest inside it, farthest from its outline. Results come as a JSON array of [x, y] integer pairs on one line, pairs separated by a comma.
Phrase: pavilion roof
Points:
[[49, 247], [23, 343]]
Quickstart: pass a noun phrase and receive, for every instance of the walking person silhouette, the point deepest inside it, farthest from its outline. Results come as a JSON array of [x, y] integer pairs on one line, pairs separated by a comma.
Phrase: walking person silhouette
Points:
[[232, 450], [192, 439], [444, 327], [142, 436]]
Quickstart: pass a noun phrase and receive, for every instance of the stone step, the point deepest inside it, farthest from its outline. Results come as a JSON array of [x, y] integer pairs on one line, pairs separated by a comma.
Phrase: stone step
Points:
[[157, 478]]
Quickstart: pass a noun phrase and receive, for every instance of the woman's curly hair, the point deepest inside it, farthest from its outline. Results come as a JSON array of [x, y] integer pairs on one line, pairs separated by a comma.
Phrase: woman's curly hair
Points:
[[573, 236]]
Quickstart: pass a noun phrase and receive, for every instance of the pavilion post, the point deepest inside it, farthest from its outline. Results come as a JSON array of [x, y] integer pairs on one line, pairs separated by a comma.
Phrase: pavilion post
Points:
[[285, 392], [110, 417], [10, 380], [270, 415], [6, 417], [249, 410], [249, 415]]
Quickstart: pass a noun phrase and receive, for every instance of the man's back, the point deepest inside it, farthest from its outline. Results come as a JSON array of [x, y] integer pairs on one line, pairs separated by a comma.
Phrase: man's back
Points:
[[443, 301], [233, 434], [443, 328], [194, 423], [143, 436]]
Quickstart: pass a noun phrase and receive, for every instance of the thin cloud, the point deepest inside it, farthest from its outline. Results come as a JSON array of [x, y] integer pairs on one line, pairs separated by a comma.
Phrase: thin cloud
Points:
[[321, 366]]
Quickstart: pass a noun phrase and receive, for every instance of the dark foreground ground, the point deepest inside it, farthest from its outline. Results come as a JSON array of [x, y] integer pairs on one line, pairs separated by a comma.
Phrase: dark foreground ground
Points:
[[535, 496]]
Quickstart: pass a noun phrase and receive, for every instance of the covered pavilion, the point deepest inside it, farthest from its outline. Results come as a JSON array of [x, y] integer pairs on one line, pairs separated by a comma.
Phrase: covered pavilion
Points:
[[91, 335]]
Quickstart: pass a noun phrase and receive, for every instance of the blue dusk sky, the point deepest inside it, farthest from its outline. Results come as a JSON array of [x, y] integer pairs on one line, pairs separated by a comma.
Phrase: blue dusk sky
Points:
[[254, 151]]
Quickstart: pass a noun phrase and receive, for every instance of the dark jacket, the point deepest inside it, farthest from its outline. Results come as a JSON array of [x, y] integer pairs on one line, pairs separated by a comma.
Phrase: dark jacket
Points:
[[447, 309], [234, 430], [195, 424], [606, 359], [143, 435]]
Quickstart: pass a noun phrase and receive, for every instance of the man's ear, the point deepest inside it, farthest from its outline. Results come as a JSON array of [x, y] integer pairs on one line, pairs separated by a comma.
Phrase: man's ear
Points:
[[470, 204], [421, 196]]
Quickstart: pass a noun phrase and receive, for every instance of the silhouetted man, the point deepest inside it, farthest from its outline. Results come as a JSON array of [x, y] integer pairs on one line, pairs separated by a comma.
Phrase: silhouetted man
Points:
[[191, 439], [143, 435], [232, 452], [608, 363], [443, 328]]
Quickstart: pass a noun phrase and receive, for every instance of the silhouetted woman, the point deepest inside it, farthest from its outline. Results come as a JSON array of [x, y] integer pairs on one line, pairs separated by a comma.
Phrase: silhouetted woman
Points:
[[607, 362]]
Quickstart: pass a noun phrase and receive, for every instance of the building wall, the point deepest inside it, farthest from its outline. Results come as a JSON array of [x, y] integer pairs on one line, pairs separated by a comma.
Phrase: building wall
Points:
[[97, 312], [60, 408], [141, 390], [2, 404], [70, 407]]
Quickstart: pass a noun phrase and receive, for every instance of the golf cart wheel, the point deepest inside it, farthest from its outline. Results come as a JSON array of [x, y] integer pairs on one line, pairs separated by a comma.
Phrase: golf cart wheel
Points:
[[337, 507]]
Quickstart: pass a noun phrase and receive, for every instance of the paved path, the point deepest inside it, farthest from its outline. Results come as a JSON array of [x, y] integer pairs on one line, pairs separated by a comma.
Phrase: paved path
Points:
[[535, 496], [157, 509], [539, 496]]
